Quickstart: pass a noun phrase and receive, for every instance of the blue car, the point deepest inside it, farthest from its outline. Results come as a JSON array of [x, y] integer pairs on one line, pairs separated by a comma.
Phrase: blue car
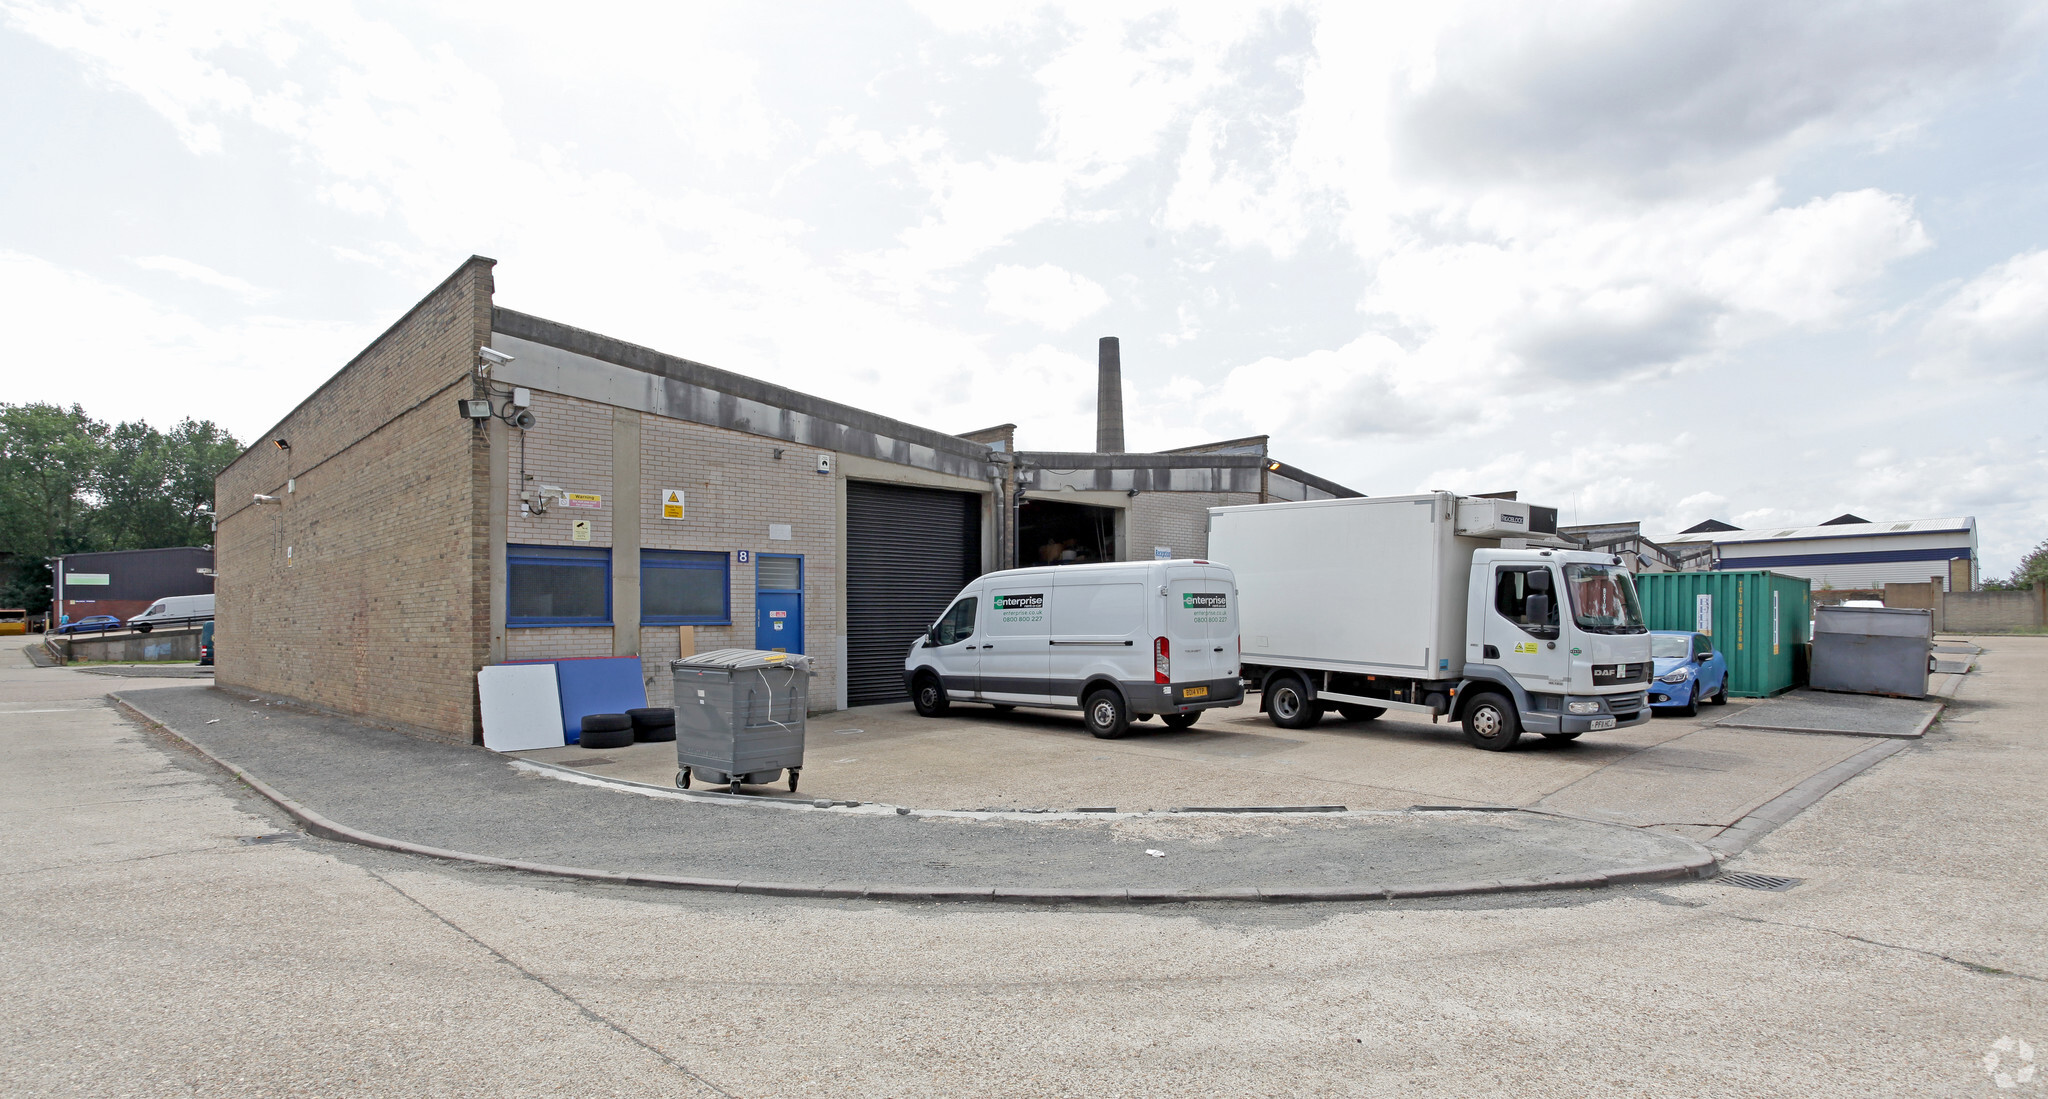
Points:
[[1688, 672], [92, 623]]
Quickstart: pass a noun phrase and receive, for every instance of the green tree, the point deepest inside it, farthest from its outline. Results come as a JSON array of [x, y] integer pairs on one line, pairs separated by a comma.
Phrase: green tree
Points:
[[49, 457], [153, 486]]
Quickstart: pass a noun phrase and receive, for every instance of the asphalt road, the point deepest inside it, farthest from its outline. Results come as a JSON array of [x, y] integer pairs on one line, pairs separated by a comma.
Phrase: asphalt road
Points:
[[147, 949]]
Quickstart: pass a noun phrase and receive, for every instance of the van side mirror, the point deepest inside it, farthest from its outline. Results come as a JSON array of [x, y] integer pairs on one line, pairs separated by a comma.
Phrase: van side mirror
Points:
[[1537, 609]]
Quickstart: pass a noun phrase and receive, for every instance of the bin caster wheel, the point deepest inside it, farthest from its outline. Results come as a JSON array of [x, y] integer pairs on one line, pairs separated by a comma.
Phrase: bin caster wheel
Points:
[[683, 779], [792, 780], [735, 788]]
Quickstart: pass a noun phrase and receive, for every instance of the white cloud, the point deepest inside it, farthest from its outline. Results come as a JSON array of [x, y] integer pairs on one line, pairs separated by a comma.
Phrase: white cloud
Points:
[[1045, 295], [75, 338], [205, 276], [1995, 326]]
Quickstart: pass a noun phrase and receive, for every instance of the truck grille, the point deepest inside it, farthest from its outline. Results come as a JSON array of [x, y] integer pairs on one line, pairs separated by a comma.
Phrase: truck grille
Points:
[[1620, 673]]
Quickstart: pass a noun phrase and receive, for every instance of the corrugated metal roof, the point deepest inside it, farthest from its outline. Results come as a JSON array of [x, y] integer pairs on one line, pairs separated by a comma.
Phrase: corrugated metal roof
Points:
[[1966, 523]]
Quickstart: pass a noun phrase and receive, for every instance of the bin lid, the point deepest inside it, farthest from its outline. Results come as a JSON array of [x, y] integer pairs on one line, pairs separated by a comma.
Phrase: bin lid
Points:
[[746, 658], [1874, 621]]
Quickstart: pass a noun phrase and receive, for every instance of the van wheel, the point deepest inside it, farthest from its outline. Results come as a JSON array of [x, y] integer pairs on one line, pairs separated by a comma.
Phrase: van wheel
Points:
[[1354, 712], [1288, 702], [1179, 721], [142, 628], [1490, 723], [1106, 715], [930, 697]]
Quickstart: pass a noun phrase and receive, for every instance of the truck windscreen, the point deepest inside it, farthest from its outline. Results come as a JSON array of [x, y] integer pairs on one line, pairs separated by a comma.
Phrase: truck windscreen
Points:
[[1603, 599]]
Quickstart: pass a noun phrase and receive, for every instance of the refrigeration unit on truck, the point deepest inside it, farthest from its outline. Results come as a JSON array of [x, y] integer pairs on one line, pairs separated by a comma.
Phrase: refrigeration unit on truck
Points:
[[1453, 606]]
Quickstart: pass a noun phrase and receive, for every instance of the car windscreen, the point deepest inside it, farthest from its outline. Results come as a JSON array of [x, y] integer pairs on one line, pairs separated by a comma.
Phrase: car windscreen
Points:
[[1664, 646], [1603, 599]]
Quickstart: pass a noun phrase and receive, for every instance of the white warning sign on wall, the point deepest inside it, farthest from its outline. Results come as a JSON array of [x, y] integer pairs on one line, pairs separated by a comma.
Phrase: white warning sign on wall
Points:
[[1703, 614], [671, 503]]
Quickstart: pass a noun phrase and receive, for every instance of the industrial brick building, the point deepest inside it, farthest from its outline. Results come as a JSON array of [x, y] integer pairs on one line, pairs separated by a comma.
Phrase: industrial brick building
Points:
[[379, 545]]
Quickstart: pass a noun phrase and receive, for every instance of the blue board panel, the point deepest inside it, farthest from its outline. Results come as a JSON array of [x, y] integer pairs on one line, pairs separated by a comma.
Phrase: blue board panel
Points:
[[595, 685]]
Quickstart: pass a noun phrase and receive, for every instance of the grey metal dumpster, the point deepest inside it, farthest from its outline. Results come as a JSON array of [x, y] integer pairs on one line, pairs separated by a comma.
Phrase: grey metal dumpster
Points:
[[1872, 650], [740, 716]]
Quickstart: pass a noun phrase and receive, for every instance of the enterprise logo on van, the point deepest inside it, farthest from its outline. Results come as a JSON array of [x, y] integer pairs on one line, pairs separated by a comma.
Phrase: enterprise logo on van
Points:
[[1016, 609], [1193, 599]]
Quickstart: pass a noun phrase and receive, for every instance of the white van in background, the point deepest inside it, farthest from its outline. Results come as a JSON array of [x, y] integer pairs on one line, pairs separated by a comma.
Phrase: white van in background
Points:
[[175, 610], [1119, 642]]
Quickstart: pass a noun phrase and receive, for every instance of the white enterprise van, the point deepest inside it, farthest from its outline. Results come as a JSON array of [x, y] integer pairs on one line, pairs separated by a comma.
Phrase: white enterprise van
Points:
[[175, 610], [1119, 642]]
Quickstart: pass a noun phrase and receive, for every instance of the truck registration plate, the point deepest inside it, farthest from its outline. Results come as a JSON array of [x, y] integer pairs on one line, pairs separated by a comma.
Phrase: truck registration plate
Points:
[[1603, 723], [1202, 692]]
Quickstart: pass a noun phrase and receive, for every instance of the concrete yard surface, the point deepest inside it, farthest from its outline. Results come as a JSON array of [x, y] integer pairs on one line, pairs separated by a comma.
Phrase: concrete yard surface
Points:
[[1678, 774], [166, 933], [471, 800]]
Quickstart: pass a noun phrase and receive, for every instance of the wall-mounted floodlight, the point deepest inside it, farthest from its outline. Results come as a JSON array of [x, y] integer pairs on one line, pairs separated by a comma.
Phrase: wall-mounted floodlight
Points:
[[281, 444], [477, 409], [1273, 467]]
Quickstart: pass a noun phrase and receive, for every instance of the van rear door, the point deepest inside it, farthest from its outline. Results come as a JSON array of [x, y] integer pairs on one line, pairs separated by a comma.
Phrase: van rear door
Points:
[[1201, 623]]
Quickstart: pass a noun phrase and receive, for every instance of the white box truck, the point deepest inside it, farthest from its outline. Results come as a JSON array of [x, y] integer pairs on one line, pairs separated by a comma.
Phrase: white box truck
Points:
[[1439, 604], [1118, 642]]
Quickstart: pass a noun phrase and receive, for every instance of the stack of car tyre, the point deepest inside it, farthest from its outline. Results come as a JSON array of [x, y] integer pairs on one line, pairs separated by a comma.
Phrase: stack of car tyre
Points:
[[621, 730], [606, 731], [653, 723]]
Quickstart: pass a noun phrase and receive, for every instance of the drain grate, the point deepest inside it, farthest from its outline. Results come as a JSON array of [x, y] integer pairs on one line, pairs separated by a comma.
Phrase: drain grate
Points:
[[1770, 883]]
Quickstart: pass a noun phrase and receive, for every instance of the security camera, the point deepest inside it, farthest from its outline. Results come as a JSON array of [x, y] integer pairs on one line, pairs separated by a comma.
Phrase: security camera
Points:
[[495, 358], [262, 499]]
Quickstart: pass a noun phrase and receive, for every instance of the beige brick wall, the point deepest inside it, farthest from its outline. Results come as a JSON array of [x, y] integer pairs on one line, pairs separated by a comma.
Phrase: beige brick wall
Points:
[[359, 591], [1176, 519], [734, 488]]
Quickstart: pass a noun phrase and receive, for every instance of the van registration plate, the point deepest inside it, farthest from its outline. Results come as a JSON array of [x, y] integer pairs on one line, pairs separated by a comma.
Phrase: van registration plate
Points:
[[1195, 692], [1603, 723]]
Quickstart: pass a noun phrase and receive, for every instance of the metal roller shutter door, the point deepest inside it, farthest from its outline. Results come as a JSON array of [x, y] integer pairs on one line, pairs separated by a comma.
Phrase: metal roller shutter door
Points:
[[908, 552]]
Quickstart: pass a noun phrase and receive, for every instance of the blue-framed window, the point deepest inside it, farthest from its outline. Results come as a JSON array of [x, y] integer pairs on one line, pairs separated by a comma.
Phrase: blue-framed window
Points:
[[778, 572], [557, 586], [684, 588]]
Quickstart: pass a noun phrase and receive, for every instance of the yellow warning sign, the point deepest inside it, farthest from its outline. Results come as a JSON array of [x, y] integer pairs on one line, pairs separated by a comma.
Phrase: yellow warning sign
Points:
[[579, 531], [672, 503], [582, 500]]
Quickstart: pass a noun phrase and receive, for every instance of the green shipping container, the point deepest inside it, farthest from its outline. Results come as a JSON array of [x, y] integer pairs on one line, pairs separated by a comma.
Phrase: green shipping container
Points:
[[1758, 620]]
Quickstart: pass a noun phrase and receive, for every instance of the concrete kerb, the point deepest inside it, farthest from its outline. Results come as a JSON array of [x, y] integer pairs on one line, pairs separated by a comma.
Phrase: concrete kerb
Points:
[[1737, 837], [319, 825]]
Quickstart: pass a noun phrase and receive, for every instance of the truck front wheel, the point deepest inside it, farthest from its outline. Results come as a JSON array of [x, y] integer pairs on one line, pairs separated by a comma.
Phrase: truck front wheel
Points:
[[1490, 723], [1288, 701]]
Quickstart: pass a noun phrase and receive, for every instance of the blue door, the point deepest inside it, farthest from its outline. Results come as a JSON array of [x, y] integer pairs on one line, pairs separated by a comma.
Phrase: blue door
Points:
[[779, 602]]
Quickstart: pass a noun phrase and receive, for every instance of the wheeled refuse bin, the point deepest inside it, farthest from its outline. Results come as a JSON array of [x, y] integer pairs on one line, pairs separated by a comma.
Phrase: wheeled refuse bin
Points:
[[1873, 650], [740, 716]]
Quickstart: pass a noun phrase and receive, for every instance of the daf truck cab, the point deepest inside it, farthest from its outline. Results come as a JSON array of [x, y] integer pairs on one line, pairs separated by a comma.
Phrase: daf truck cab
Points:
[[1465, 608]]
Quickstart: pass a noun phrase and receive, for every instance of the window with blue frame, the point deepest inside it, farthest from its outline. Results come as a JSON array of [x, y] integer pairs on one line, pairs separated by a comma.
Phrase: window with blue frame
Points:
[[684, 588], [557, 586]]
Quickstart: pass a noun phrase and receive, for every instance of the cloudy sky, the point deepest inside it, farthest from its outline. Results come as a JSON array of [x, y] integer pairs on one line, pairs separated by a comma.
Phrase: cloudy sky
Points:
[[1764, 262]]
